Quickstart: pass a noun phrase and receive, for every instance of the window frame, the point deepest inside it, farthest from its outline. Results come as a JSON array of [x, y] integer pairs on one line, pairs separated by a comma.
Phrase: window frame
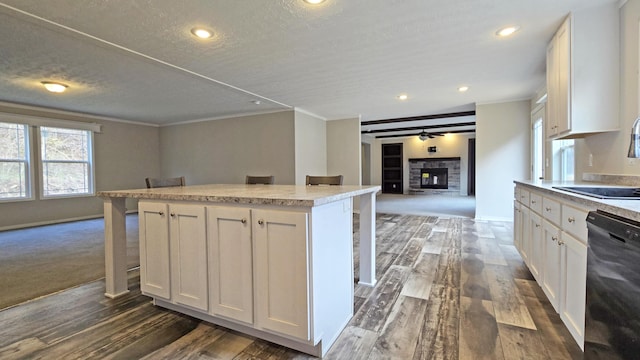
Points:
[[90, 165], [33, 124], [29, 173]]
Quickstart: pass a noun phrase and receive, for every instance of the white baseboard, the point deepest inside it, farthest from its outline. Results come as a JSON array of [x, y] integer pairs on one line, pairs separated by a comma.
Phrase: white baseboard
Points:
[[57, 221]]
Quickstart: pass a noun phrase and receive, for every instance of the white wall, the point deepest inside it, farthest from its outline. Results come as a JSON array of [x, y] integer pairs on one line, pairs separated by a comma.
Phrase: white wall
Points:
[[502, 156], [226, 150], [125, 153], [343, 150], [310, 145]]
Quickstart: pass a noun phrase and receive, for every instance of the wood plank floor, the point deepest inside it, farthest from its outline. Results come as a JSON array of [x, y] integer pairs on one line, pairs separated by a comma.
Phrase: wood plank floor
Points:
[[447, 289]]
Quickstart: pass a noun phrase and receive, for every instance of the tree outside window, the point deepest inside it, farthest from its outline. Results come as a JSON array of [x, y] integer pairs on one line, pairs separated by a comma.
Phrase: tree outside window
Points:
[[14, 162], [66, 162]]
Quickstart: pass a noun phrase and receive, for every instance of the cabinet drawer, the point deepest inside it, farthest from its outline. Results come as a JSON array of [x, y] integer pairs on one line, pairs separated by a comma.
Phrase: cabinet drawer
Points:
[[551, 210], [524, 197], [535, 202], [574, 221], [516, 193]]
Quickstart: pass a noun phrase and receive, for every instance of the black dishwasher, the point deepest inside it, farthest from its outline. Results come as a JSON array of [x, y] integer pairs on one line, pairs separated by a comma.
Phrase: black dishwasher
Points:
[[612, 314]]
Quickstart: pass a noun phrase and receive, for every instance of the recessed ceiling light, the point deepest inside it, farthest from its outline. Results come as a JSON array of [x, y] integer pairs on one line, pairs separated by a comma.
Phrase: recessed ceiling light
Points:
[[506, 31], [256, 102], [463, 88], [202, 33], [54, 87], [403, 97], [314, 2]]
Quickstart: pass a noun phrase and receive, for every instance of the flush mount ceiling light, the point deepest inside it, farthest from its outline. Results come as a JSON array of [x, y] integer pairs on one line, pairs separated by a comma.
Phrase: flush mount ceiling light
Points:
[[507, 31], [202, 33], [403, 97], [314, 2], [54, 86], [463, 88], [256, 102]]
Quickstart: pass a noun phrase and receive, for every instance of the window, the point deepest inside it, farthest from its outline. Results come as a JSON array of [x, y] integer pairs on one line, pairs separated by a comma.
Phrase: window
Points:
[[66, 162], [14, 162], [564, 156]]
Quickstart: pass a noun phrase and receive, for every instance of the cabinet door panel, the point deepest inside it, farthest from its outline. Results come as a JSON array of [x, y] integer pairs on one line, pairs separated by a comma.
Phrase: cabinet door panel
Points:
[[281, 272], [563, 57], [525, 233], [517, 227], [551, 272], [575, 279], [230, 262], [536, 252], [154, 249], [189, 255]]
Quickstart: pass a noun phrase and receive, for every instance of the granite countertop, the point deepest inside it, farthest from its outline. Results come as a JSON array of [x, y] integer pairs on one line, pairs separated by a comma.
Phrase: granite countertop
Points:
[[627, 208], [282, 195]]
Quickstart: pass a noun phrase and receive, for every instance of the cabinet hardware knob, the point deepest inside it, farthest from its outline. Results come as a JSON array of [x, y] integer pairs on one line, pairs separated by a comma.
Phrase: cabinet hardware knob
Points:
[[547, 209], [533, 201], [560, 242], [260, 222], [244, 221], [571, 219], [160, 213], [173, 214], [537, 225], [554, 238]]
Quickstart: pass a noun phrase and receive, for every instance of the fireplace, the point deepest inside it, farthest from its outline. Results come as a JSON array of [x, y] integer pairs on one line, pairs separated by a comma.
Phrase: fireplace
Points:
[[436, 178]]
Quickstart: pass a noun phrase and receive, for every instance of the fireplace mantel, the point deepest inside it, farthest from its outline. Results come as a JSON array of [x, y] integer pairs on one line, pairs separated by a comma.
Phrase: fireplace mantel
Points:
[[435, 159]]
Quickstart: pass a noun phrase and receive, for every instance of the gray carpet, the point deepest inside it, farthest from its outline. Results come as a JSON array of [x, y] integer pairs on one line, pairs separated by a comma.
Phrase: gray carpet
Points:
[[427, 205], [42, 260]]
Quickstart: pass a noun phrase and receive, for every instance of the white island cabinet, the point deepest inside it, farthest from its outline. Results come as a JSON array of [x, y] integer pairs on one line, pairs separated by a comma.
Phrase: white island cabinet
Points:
[[272, 261]]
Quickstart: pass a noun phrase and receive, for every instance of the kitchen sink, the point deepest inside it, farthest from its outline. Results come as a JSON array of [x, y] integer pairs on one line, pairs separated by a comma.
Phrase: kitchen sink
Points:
[[603, 192]]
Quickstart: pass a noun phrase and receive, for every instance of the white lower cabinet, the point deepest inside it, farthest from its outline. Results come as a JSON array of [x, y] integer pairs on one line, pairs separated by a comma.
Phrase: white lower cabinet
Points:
[[246, 265], [173, 253], [536, 248], [551, 272], [517, 227], [574, 268], [281, 272], [557, 255], [526, 234], [188, 238], [230, 262], [154, 249]]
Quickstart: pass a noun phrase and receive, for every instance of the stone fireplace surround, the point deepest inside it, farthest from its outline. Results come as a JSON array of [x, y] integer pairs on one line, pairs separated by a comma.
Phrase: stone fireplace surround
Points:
[[451, 163]]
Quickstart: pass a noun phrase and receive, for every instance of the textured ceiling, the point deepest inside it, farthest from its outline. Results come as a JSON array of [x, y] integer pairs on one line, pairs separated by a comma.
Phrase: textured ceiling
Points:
[[136, 60]]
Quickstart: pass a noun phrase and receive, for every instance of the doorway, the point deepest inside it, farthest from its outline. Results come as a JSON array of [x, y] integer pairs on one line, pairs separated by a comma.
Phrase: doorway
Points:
[[471, 169]]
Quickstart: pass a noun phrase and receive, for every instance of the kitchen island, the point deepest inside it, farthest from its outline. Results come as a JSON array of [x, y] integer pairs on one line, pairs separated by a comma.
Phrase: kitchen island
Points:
[[272, 261]]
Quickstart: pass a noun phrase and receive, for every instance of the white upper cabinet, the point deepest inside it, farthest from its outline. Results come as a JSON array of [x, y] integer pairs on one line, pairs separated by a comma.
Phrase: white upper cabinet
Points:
[[583, 72]]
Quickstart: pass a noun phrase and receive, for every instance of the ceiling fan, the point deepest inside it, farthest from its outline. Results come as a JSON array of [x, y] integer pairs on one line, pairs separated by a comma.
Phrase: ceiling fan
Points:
[[425, 135]]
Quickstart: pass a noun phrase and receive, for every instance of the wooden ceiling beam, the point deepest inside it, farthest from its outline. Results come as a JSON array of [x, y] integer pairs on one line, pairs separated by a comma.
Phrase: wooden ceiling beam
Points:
[[418, 118], [405, 135], [439, 126]]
